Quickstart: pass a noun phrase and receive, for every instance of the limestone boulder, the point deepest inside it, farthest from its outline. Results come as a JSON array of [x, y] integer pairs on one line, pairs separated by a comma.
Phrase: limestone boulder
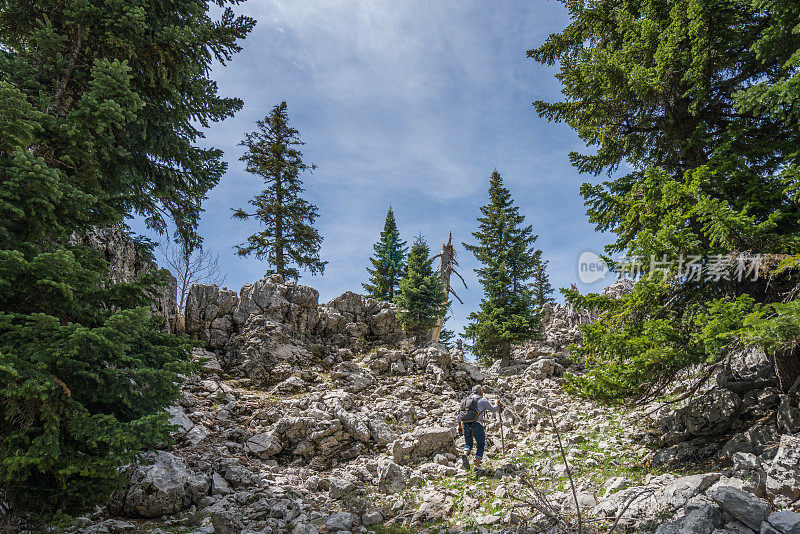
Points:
[[544, 368], [341, 521], [391, 477], [711, 413], [789, 413], [783, 522], [701, 520], [265, 445], [435, 506], [753, 441], [165, 486], [783, 474], [422, 443], [742, 505]]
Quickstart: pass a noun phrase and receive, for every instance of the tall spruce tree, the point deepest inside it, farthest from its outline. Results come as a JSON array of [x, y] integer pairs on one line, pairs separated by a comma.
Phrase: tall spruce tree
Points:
[[699, 102], [421, 299], [389, 262], [504, 250], [100, 105], [541, 289], [289, 241]]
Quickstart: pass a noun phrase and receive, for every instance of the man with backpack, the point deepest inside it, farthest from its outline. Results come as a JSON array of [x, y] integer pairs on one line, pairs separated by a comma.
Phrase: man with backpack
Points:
[[470, 423]]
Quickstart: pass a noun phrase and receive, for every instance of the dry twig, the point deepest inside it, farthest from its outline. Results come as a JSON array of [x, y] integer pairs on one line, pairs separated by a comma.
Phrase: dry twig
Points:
[[569, 470]]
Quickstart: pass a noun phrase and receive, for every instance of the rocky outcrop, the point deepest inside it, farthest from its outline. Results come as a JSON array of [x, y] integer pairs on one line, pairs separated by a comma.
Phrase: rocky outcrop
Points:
[[126, 264], [273, 326], [561, 325], [338, 427], [743, 413], [208, 314]]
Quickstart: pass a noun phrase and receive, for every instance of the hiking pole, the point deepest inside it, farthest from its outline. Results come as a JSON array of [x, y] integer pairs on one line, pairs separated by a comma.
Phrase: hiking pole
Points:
[[502, 434]]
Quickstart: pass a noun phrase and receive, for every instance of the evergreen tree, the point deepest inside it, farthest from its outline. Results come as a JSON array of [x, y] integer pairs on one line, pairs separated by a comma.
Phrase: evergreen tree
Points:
[[446, 336], [421, 299], [388, 262], [100, 105], [541, 289], [699, 101], [289, 240], [504, 250]]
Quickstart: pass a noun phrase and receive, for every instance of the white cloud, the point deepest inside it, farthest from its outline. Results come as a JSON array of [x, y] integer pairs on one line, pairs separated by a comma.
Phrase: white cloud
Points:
[[409, 104]]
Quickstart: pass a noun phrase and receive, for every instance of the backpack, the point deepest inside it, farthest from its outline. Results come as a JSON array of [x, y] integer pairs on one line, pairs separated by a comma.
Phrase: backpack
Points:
[[469, 409]]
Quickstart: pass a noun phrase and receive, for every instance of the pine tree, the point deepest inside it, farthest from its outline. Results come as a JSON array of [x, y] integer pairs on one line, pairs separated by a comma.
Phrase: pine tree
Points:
[[540, 286], [388, 262], [421, 299], [697, 105], [289, 240], [504, 250], [446, 336], [100, 105]]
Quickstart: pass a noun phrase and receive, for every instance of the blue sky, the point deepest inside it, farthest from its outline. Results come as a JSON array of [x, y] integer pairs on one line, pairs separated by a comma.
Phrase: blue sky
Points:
[[410, 104]]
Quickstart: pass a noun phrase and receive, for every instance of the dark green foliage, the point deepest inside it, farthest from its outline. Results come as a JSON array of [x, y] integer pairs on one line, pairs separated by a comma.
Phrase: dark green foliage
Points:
[[541, 289], [508, 261], [699, 101], [83, 387], [289, 240], [447, 336], [388, 262], [100, 105], [421, 300]]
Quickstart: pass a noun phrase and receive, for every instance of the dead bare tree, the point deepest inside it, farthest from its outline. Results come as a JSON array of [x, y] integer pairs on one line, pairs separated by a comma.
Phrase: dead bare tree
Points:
[[197, 266], [447, 265]]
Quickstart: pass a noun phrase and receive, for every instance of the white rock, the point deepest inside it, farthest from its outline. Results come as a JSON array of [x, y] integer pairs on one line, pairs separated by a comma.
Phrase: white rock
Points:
[[783, 474], [742, 505]]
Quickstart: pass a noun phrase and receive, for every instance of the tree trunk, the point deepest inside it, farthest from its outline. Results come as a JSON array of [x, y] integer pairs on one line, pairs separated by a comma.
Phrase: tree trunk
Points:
[[446, 260], [786, 363], [279, 267], [505, 354]]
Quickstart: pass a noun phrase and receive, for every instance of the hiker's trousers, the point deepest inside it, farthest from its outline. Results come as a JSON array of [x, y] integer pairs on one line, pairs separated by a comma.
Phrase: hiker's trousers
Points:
[[474, 431]]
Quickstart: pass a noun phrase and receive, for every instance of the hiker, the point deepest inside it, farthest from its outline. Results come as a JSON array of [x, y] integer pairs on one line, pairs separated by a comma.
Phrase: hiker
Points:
[[470, 423]]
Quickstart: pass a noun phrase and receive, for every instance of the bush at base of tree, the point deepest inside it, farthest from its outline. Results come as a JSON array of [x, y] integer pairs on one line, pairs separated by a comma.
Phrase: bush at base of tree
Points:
[[84, 388]]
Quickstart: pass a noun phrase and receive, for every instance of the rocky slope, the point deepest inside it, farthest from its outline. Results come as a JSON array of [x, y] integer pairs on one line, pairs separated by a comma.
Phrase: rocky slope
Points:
[[312, 418]]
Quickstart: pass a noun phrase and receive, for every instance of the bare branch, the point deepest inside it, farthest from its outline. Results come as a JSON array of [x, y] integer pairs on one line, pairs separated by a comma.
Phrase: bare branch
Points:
[[191, 266], [627, 505], [569, 470], [454, 294]]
